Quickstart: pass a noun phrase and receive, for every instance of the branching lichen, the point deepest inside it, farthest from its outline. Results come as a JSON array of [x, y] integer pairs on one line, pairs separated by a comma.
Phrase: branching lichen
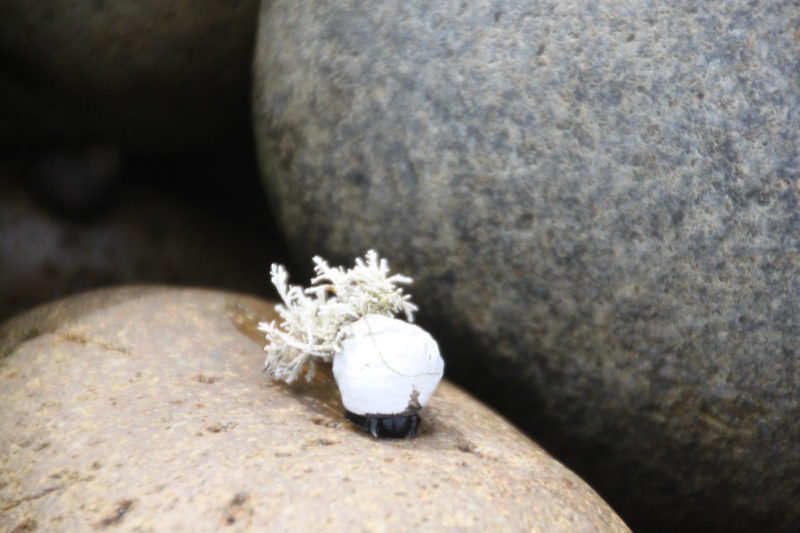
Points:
[[313, 320]]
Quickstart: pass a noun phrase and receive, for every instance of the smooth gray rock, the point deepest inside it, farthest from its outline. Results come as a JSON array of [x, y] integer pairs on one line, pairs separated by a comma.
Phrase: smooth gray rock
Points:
[[140, 75], [599, 201]]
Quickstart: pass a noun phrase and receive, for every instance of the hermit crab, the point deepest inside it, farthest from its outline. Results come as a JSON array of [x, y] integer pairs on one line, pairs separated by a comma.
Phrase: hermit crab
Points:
[[386, 368]]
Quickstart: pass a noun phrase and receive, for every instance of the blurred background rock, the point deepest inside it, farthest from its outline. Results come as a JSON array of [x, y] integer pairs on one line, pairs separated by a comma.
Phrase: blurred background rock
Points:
[[196, 219], [126, 151]]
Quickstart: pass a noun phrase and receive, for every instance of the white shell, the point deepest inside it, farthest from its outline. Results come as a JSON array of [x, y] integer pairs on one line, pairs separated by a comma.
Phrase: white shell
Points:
[[387, 367]]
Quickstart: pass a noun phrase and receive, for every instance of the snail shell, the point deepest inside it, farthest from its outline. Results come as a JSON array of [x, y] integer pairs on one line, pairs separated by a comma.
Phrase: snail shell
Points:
[[387, 367]]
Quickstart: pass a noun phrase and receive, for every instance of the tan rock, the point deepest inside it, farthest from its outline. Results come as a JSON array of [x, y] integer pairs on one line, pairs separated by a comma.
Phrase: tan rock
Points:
[[145, 409]]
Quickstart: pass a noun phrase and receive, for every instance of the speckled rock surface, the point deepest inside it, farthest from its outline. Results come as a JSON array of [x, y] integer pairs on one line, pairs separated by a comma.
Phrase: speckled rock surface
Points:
[[141, 75], [598, 199], [145, 409]]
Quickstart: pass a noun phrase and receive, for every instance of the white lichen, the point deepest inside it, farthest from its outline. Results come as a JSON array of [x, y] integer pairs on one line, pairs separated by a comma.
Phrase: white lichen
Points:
[[313, 320]]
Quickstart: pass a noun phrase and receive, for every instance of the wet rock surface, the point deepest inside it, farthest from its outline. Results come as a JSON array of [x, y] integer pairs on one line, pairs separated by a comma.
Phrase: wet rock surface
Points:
[[599, 202], [144, 409], [143, 76]]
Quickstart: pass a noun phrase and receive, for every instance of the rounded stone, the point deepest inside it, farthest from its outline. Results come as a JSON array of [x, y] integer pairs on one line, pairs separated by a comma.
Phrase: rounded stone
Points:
[[599, 203], [138, 75], [146, 408]]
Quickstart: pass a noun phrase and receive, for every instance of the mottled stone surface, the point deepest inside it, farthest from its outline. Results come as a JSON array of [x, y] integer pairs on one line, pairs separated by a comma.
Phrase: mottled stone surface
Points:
[[146, 409], [598, 199], [140, 75]]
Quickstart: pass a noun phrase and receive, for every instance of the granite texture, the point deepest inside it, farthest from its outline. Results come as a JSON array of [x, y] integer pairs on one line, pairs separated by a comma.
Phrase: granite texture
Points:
[[599, 201], [145, 409], [140, 75]]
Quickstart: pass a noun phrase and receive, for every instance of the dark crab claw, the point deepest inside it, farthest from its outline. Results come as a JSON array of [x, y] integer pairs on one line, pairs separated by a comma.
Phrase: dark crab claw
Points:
[[391, 427]]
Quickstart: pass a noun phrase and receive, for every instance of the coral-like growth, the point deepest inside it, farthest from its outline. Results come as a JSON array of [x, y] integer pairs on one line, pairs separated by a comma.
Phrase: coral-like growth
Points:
[[313, 320]]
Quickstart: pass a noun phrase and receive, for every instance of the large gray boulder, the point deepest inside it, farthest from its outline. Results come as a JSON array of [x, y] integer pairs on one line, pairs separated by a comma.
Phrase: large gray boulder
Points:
[[599, 201], [147, 75]]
